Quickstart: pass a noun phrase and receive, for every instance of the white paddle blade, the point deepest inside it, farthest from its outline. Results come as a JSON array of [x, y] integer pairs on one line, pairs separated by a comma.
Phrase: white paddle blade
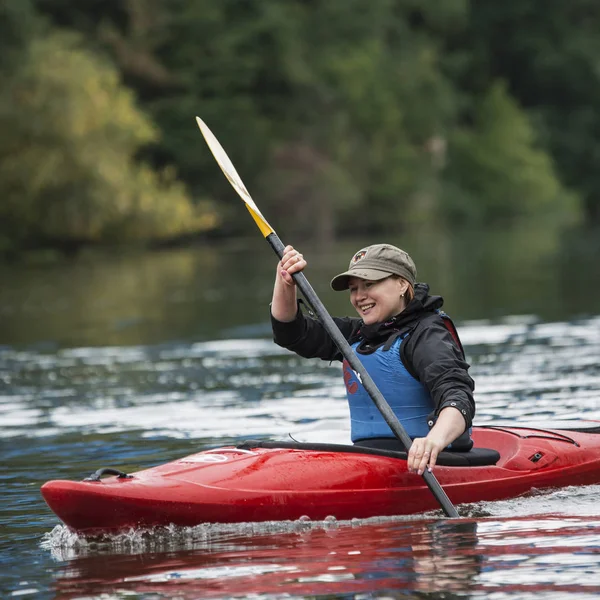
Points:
[[232, 175]]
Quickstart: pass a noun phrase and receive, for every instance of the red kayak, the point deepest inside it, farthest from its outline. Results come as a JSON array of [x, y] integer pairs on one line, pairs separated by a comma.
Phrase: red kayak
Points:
[[273, 481]]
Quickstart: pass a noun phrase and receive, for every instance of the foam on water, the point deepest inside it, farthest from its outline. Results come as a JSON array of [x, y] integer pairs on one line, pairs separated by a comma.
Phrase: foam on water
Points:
[[65, 543]]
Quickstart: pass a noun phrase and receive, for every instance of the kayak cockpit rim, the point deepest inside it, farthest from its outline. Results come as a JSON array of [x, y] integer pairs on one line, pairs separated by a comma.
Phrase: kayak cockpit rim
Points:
[[476, 457]]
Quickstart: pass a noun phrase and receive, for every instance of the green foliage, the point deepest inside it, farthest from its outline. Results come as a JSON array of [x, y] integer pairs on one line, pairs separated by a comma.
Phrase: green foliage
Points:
[[497, 171], [548, 52], [19, 23], [390, 109], [67, 168], [353, 84]]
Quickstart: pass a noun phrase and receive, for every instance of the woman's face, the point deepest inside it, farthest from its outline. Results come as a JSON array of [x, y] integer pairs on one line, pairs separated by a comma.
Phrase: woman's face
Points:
[[377, 301]]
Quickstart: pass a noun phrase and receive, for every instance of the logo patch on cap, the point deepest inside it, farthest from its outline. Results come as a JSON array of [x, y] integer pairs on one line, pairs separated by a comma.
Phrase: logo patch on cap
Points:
[[358, 256]]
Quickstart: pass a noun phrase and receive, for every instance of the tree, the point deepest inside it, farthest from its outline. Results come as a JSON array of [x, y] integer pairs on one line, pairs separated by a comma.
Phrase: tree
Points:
[[498, 173], [329, 108], [547, 51], [68, 173]]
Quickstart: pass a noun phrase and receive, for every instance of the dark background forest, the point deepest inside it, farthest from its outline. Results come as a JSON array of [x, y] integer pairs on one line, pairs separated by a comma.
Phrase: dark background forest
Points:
[[340, 115]]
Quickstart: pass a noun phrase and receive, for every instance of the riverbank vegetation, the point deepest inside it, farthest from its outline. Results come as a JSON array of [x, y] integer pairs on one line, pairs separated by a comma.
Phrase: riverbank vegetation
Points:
[[339, 115]]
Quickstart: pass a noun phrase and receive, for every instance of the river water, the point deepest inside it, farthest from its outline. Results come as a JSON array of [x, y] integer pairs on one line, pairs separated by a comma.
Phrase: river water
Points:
[[133, 360]]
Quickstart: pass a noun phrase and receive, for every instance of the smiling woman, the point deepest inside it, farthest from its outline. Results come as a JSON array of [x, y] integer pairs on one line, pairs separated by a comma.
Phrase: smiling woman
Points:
[[327, 324], [406, 343], [378, 300]]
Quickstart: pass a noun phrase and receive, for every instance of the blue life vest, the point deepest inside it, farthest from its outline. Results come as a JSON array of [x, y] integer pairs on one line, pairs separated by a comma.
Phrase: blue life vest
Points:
[[406, 396]]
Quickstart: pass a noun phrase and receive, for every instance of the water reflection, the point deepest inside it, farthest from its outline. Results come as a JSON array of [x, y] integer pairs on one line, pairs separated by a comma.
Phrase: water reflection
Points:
[[223, 289], [302, 559], [440, 558], [127, 300]]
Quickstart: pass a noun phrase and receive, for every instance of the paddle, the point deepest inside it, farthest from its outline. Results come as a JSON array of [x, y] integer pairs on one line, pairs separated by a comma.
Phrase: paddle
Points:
[[321, 312]]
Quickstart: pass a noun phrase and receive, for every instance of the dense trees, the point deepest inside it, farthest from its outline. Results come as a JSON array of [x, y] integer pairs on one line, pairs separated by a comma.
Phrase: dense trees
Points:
[[68, 168], [548, 52], [476, 112]]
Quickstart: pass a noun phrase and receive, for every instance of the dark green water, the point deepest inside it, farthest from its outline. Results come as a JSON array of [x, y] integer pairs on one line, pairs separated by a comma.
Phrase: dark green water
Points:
[[222, 289], [133, 360]]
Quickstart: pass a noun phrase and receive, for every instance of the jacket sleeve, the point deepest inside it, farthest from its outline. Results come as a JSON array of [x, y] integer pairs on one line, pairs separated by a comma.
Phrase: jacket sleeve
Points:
[[308, 338], [439, 365]]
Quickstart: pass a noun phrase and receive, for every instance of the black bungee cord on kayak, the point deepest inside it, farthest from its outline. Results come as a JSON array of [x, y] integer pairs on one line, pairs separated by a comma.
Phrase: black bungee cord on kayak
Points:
[[107, 471]]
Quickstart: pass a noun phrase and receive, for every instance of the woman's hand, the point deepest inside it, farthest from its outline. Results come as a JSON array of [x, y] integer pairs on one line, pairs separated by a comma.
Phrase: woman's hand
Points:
[[283, 305], [423, 453], [291, 262]]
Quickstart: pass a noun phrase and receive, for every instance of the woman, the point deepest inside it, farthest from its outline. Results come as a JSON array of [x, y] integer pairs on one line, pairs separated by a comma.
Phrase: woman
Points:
[[409, 347]]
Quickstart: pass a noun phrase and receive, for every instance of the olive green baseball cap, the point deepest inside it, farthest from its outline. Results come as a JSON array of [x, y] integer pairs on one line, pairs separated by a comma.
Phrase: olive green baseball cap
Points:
[[377, 262]]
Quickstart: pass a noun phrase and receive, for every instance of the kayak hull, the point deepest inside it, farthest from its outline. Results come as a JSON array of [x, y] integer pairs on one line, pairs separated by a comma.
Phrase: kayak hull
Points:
[[252, 483]]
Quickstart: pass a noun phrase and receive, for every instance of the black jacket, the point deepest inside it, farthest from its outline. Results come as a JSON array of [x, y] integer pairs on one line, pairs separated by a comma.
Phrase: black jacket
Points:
[[429, 353]]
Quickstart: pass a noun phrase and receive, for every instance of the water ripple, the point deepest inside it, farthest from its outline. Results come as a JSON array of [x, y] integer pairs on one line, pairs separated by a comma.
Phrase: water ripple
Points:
[[68, 411]]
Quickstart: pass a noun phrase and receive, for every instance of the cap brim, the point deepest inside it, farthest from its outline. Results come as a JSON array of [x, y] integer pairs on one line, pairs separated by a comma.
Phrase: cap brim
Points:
[[340, 282]]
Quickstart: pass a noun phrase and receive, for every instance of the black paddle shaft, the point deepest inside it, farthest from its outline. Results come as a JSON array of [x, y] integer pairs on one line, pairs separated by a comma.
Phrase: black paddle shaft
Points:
[[368, 383]]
